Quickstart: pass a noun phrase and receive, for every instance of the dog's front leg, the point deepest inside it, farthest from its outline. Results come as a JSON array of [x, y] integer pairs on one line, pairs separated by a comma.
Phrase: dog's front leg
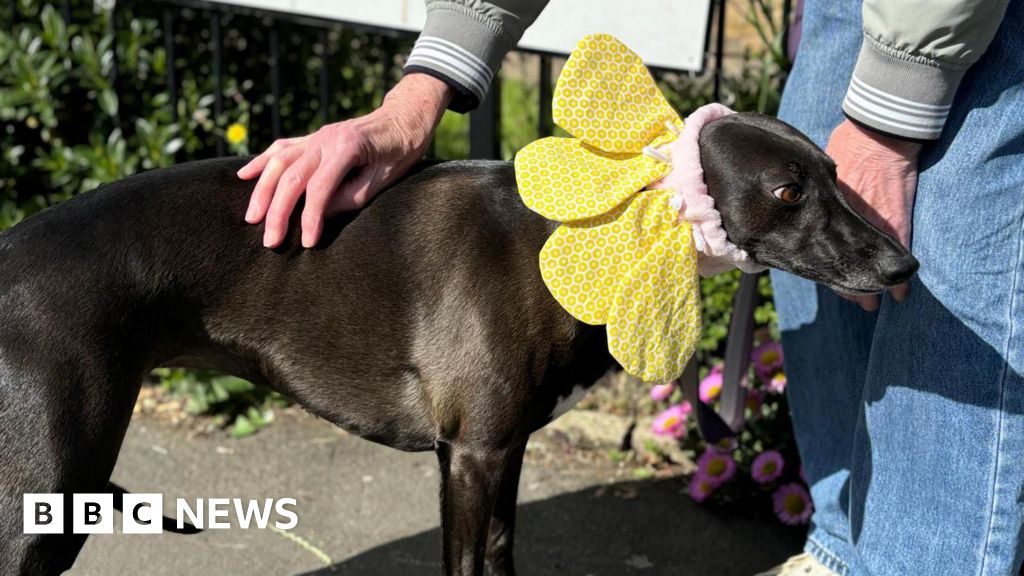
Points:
[[470, 480], [500, 561]]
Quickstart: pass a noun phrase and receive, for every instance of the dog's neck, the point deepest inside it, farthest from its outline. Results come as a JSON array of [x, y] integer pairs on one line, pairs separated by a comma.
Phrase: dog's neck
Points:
[[716, 253]]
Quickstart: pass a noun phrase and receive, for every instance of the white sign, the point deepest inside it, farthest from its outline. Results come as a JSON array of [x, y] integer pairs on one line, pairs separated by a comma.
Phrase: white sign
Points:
[[665, 33]]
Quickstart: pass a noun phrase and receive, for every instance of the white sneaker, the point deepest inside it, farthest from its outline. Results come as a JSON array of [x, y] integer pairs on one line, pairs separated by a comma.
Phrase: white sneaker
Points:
[[800, 565]]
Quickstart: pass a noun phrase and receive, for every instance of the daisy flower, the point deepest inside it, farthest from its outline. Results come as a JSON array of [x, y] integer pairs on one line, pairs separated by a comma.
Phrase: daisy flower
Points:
[[701, 487], [719, 468], [777, 385], [661, 392], [792, 504], [711, 385], [767, 359], [672, 421], [767, 467]]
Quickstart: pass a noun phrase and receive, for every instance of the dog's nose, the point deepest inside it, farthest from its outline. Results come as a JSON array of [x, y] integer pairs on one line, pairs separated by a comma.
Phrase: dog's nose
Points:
[[897, 269]]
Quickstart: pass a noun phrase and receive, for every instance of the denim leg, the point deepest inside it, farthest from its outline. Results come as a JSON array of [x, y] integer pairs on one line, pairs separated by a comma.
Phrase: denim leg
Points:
[[912, 427], [827, 339], [938, 465]]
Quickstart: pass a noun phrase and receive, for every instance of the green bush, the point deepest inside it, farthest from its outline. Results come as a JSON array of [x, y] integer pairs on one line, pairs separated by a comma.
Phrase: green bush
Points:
[[238, 403], [69, 127]]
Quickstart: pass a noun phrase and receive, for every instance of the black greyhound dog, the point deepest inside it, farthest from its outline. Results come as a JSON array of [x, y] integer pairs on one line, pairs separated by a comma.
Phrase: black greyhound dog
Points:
[[420, 322]]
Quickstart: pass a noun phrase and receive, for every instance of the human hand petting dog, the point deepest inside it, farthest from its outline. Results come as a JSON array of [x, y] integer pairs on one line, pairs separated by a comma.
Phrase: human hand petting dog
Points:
[[878, 176], [341, 166]]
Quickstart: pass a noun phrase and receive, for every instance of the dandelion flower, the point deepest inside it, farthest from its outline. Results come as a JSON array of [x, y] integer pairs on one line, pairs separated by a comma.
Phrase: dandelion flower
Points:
[[767, 467], [661, 392], [701, 487], [236, 134], [792, 504], [672, 421], [718, 467]]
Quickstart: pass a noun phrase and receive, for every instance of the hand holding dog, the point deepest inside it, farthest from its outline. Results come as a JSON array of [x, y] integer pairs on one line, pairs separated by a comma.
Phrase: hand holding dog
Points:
[[341, 166], [878, 176]]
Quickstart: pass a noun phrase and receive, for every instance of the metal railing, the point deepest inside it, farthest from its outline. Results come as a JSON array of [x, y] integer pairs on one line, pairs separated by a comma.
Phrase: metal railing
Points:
[[484, 129], [484, 132]]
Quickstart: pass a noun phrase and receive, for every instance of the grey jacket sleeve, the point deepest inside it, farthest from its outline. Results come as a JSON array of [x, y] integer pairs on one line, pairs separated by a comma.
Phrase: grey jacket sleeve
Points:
[[913, 56], [464, 41]]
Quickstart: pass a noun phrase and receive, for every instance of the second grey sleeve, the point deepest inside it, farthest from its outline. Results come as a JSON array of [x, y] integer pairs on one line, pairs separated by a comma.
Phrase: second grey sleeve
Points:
[[914, 54], [464, 41]]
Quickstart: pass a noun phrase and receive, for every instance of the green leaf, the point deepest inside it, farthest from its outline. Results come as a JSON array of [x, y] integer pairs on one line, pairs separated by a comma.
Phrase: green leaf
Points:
[[55, 32], [242, 427], [256, 417], [642, 473], [235, 385], [108, 102], [173, 146], [617, 456]]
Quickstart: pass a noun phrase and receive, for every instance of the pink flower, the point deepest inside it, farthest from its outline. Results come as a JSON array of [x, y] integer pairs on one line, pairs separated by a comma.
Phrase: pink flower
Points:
[[700, 487], [767, 359], [661, 392], [711, 385], [672, 421], [792, 504], [719, 468], [767, 467], [777, 385]]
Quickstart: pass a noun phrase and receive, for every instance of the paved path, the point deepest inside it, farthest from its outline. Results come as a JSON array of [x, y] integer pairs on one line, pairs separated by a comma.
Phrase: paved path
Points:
[[373, 512]]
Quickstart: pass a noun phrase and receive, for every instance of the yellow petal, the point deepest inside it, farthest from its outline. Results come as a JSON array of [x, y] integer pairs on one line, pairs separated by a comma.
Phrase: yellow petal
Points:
[[654, 321], [584, 263], [606, 96], [564, 179]]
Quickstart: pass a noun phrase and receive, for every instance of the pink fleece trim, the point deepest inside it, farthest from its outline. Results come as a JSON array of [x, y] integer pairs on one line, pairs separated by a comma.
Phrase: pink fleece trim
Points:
[[716, 253]]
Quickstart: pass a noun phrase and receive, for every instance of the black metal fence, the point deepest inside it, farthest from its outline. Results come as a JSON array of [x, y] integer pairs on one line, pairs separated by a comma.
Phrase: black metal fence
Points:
[[484, 129]]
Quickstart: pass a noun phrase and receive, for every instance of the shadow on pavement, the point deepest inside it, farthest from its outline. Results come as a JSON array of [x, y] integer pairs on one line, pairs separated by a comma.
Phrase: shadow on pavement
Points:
[[646, 527]]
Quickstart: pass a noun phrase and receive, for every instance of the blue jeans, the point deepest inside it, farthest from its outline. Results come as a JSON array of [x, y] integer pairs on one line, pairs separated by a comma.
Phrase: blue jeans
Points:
[[910, 420]]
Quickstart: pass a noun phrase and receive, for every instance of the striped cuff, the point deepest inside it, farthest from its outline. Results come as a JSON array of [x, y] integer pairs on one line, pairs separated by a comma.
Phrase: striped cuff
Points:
[[453, 64], [899, 94]]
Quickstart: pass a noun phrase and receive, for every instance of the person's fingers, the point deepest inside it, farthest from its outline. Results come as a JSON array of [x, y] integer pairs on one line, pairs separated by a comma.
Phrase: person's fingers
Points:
[[319, 191], [847, 297], [254, 167], [257, 164], [900, 293], [355, 193], [869, 302], [289, 189], [263, 193]]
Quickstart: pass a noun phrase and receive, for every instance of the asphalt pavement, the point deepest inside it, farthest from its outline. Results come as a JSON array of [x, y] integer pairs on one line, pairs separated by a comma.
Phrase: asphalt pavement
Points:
[[368, 510]]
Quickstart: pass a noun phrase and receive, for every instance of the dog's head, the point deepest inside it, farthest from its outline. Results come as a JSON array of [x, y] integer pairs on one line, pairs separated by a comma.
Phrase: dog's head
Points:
[[779, 200]]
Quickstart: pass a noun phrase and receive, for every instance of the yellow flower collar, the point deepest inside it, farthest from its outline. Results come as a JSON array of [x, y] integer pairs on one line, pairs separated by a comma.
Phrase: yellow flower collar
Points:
[[625, 254]]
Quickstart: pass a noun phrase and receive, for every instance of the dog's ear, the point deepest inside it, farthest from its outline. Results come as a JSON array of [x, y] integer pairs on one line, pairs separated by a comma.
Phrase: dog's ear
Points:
[[740, 158]]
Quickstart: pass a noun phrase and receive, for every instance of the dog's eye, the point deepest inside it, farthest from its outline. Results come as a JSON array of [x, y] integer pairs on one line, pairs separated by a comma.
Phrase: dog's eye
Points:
[[787, 194]]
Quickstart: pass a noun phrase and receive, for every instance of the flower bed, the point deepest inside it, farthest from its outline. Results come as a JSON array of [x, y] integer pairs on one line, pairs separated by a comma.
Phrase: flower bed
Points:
[[761, 467]]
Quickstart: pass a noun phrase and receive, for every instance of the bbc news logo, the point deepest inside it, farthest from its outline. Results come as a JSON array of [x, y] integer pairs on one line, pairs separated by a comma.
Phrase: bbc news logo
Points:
[[143, 513]]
